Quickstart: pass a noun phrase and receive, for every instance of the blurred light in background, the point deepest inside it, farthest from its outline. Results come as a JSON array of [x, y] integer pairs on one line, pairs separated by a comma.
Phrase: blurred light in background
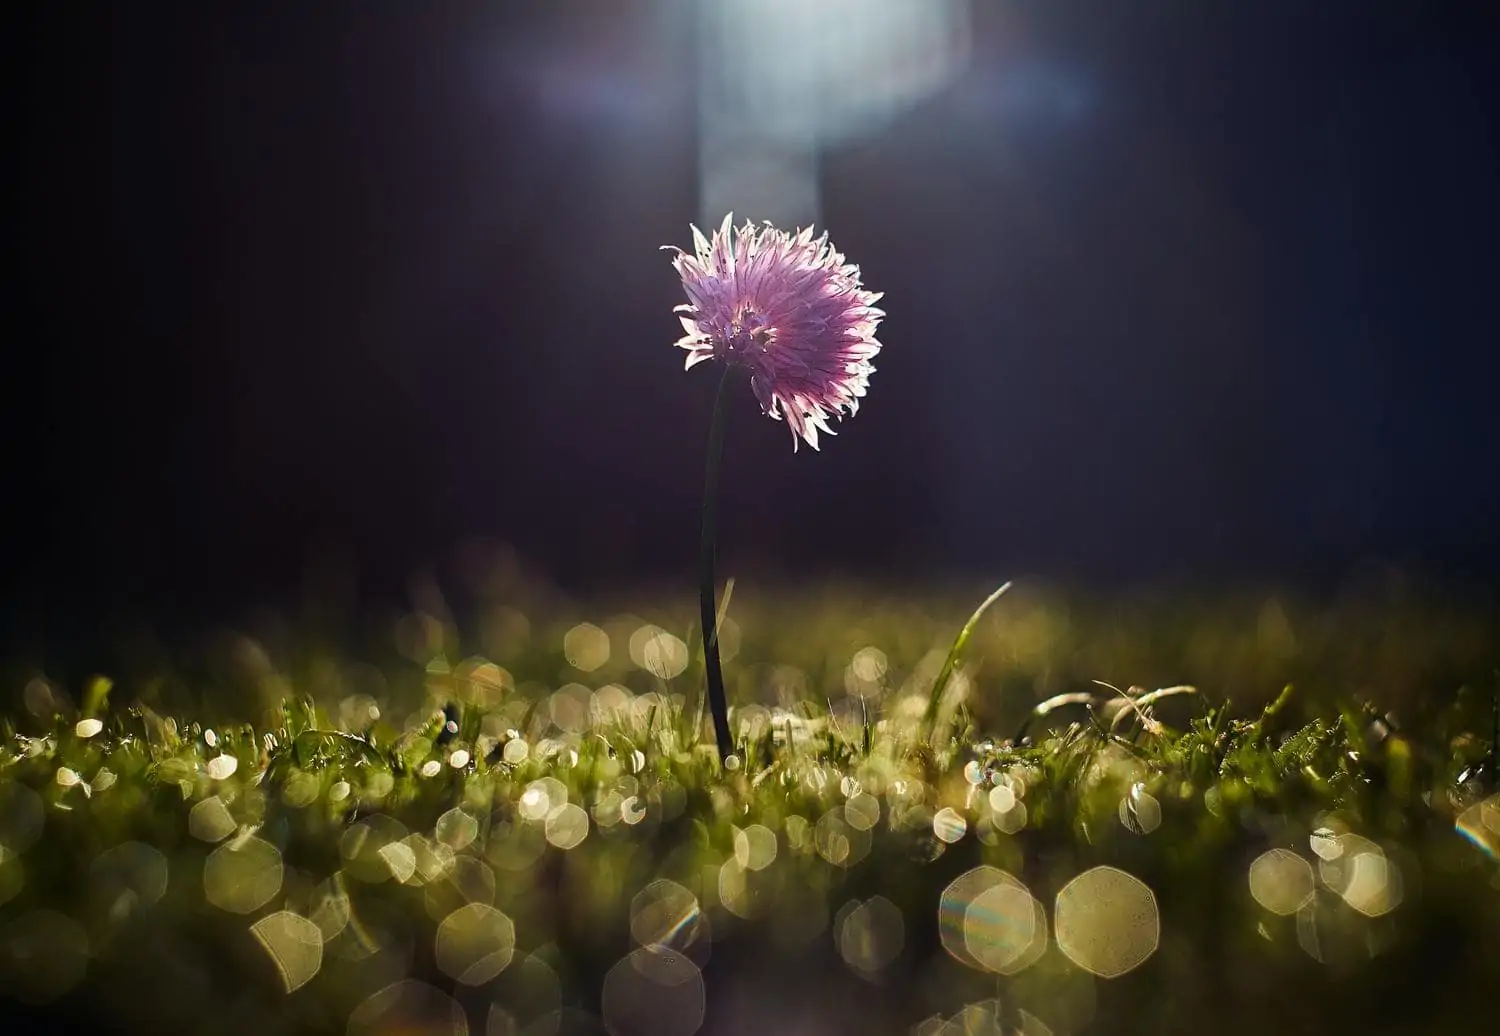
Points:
[[781, 79]]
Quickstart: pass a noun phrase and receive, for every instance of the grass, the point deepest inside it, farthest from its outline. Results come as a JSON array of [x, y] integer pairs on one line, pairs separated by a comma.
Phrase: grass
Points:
[[1271, 816]]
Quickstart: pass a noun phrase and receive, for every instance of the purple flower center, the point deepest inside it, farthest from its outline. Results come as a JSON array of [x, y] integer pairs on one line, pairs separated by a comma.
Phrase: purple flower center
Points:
[[745, 338]]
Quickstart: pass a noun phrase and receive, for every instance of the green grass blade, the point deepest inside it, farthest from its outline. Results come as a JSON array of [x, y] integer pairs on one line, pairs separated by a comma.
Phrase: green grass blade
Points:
[[954, 654]]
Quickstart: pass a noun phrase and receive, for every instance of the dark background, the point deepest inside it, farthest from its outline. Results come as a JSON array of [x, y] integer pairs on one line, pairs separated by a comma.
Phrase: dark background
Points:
[[1174, 290]]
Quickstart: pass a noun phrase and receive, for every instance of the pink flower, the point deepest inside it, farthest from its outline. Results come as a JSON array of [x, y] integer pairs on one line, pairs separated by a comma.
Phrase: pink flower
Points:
[[787, 309]]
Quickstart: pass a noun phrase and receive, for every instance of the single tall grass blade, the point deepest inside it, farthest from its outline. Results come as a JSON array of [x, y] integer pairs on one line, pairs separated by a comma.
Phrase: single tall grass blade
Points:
[[954, 654]]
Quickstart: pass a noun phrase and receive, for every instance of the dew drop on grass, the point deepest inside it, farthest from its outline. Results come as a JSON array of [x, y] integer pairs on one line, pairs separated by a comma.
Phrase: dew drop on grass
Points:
[[222, 767], [631, 810], [1139, 811]]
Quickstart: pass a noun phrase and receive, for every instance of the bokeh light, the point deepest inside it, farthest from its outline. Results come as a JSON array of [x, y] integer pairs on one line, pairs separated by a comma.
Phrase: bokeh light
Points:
[[468, 880], [21, 817], [658, 652], [456, 829], [1005, 927], [567, 826], [475, 943], [128, 877], [242, 876], [1480, 824], [367, 848], [1107, 922], [12, 875], [838, 841], [667, 915], [989, 921], [586, 647], [527, 996], [514, 847], [43, 954], [1139, 811], [294, 944], [949, 825], [209, 820], [1361, 874], [1281, 881], [755, 847], [411, 1008], [869, 934], [653, 991], [331, 910]]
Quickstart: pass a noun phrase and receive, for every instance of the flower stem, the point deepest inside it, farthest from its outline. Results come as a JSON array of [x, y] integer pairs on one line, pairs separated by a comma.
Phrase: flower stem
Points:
[[717, 702]]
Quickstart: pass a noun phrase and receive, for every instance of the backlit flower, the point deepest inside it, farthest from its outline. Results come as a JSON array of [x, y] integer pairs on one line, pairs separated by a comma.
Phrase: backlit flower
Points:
[[786, 308]]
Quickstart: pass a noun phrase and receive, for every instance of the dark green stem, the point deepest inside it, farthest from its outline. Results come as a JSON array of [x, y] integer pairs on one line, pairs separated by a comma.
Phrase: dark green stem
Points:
[[718, 704]]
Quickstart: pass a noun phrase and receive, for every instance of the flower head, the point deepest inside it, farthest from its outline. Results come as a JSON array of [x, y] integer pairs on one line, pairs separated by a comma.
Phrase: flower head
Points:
[[789, 310]]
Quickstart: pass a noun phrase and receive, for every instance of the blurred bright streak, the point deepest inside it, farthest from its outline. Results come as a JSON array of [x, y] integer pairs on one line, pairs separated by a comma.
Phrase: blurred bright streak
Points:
[[782, 79]]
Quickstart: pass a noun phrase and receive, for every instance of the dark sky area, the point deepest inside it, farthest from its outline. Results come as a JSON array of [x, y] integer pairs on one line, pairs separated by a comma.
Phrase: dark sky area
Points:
[[1201, 288]]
